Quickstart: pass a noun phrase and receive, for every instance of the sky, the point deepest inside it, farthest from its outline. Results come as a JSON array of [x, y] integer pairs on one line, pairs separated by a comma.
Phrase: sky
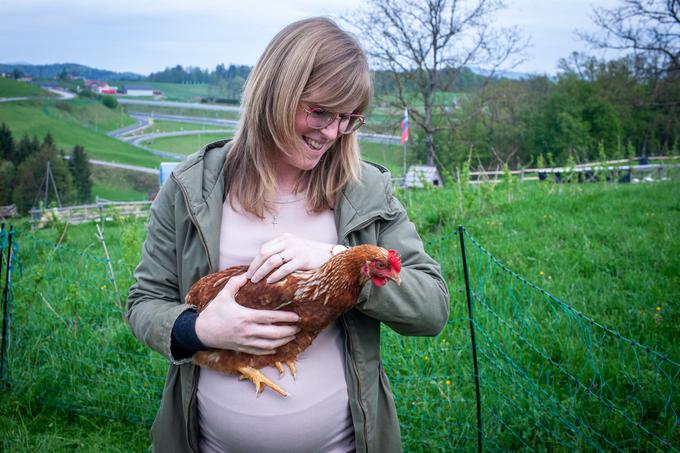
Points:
[[147, 36]]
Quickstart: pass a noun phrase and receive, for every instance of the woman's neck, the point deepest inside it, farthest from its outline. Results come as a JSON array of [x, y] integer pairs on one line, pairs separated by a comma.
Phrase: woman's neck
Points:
[[287, 178]]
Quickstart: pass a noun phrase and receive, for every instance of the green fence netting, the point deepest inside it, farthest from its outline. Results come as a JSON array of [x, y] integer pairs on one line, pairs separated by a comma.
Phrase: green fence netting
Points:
[[549, 377]]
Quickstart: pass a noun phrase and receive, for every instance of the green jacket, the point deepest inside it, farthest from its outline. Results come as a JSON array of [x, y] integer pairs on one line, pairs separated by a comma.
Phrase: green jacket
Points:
[[183, 245]]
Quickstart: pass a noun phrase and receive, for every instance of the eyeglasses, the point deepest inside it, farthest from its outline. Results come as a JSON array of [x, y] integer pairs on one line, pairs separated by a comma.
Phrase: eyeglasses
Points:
[[318, 118]]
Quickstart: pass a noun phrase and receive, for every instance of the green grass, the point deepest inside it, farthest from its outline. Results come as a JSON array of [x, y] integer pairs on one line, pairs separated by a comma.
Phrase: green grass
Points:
[[186, 144], [391, 156], [589, 244], [93, 114], [172, 126], [39, 118], [10, 88], [215, 114], [611, 251], [122, 185]]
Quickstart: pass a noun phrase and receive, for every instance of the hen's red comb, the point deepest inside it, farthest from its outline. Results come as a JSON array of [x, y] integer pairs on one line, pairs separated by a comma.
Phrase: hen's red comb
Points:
[[394, 259]]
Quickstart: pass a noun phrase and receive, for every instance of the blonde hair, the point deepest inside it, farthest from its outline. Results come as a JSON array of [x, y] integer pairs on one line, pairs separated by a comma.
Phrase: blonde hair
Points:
[[310, 61]]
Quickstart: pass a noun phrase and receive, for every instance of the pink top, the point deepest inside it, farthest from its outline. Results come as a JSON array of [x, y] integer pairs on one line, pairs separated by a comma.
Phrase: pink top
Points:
[[315, 416]]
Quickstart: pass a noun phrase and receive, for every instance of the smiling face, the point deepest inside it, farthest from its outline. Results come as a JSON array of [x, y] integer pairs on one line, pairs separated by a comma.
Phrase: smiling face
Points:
[[308, 148]]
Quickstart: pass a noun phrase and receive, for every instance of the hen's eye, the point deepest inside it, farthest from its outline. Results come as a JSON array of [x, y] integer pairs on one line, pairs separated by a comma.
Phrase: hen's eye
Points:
[[380, 265]]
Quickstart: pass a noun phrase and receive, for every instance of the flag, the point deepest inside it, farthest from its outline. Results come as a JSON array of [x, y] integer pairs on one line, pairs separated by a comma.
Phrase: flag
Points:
[[404, 127]]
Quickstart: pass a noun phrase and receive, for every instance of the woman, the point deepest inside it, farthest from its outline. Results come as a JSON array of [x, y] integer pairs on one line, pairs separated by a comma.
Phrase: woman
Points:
[[286, 194]]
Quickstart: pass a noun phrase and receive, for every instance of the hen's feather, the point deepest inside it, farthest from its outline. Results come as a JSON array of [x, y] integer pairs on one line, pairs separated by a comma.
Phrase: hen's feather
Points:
[[318, 297]]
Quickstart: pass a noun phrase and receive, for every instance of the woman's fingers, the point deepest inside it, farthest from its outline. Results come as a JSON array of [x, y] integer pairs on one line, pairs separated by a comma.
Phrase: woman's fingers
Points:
[[234, 284], [285, 254]]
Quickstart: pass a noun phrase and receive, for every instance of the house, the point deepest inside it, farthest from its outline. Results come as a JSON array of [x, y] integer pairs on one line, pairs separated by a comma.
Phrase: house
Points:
[[420, 175], [100, 87], [139, 90]]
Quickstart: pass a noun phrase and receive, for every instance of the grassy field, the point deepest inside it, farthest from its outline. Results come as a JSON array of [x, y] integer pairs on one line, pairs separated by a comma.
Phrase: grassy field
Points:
[[84, 125], [185, 144], [172, 126], [122, 185], [215, 114], [611, 251], [10, 88], [90, 113]]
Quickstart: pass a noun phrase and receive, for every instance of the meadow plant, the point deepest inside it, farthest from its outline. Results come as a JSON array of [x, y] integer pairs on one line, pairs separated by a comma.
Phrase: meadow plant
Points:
[[603, 173]]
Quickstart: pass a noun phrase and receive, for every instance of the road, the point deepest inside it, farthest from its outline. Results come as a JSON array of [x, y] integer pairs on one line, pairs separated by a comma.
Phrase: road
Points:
[[183, 105], [137, 139]]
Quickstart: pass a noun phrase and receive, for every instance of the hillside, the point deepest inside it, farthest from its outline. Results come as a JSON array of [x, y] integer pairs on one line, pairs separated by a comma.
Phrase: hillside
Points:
[[52, 71], [10, 88], [83, 123]]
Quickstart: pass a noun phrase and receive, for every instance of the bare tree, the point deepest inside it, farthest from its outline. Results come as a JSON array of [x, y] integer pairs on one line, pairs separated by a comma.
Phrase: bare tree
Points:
[[425, 44], [649, 27]]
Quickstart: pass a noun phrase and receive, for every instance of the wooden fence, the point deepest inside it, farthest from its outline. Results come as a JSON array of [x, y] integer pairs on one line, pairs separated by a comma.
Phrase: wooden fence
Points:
[[100, 210]]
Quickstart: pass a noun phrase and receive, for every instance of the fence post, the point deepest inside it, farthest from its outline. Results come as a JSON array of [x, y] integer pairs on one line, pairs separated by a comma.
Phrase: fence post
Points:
[[4, 358], [461, 235]]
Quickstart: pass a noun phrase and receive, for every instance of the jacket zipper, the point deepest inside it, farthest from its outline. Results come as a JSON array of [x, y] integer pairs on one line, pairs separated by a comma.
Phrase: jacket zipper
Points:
[[355, 368], [194, 383]]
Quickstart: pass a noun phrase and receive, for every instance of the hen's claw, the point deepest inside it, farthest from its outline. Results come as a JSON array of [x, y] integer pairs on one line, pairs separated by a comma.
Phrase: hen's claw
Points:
[[293, 369], [282, 371], [260, 380]]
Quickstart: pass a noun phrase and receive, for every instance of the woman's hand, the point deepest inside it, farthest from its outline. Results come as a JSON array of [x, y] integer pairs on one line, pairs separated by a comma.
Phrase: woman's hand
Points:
[[224, 324], [287, 253]]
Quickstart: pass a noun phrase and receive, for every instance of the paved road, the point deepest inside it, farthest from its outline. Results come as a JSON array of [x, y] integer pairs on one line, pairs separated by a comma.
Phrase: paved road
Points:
[[137, 139], [142, 123], [183, 105], [183, 119]]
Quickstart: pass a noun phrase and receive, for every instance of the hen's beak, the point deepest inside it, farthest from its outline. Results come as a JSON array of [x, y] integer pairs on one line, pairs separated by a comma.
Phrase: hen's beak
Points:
[[394, 276]]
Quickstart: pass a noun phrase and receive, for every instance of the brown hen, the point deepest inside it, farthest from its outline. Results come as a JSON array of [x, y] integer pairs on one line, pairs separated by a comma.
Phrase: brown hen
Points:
[[318, 297]]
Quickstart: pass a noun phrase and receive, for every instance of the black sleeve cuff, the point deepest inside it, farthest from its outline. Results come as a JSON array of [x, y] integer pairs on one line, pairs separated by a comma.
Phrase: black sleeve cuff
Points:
[[184, 341]]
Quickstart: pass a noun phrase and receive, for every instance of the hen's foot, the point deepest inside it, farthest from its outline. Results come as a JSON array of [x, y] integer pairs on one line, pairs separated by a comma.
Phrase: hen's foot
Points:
[[291, 366], [260, 380]]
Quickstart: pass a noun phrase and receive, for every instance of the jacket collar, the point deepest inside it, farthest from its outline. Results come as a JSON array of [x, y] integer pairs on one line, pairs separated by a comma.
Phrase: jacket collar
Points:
[[201, 180], [366, 200]]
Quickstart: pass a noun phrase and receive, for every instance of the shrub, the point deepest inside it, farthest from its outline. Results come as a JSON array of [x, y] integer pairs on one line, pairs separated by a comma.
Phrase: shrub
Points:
[[110, 102]]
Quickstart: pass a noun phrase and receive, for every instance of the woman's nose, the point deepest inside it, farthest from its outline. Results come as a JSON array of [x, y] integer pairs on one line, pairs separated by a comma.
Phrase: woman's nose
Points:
[[331, 131]]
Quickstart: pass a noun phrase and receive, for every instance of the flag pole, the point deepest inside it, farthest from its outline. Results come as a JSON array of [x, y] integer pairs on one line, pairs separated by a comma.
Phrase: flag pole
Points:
[[404, 140]]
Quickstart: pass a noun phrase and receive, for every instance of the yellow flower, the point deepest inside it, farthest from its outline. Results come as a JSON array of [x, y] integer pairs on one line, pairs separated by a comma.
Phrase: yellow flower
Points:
[[658, 308], [426, 358], [448, 382], [541, 273]]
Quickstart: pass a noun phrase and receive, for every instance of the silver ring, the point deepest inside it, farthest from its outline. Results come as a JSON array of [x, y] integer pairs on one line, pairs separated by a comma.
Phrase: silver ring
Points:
[[283, 260]]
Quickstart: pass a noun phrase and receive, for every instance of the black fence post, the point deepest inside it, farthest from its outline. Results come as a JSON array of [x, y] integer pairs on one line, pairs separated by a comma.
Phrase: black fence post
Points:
[[461, 235], [4, 348]]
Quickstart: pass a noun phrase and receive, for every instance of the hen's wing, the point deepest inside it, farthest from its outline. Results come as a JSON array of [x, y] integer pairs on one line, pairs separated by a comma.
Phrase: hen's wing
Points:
[[260, 295], [205, 290]]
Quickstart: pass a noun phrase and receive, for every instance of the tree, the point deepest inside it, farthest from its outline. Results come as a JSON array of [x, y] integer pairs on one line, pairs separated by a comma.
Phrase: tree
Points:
[[648, 27], [7, 146], [426, 45], [79, 166], [30, 177], [23, 149], [7, 177]]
